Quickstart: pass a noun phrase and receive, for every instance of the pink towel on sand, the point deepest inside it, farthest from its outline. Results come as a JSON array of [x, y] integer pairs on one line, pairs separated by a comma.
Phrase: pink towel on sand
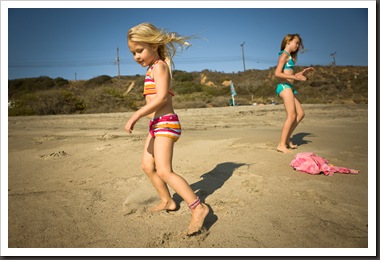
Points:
[[311, 163]]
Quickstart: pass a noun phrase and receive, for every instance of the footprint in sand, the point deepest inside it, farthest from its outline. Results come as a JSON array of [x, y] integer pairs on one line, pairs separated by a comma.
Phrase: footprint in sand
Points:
[[180, 240], [267, 146], [345, 229], [256, 186], [230, 208], [59, 154], [313, 196], [104, 147], [135, 138], [45, 138], [107, 136], [131, 207]]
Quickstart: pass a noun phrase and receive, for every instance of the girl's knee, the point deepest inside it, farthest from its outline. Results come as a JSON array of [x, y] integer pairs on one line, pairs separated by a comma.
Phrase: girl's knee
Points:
[[300, 116], [147, 168], [163, 173], [292, 116]]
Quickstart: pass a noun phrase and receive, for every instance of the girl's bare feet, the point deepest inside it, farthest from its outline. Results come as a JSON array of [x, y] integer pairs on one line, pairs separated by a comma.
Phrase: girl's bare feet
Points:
[[283, 149], [292, 146], [198, 216], [168, 206]]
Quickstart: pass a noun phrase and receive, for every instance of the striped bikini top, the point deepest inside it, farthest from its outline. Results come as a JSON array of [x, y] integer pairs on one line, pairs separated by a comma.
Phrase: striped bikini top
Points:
[[149, 84]]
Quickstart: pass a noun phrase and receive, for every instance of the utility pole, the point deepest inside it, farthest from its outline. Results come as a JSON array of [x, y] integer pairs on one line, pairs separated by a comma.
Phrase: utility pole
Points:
[[242, 49], [333, 56], [118, 63]]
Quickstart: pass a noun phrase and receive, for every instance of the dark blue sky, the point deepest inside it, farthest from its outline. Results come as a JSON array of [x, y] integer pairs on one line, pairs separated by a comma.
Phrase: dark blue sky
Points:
[[81, 43]]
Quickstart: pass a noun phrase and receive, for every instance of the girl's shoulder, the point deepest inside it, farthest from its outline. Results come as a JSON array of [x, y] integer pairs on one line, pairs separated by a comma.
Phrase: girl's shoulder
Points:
[[159, 67], [159, 64], [284, 52]]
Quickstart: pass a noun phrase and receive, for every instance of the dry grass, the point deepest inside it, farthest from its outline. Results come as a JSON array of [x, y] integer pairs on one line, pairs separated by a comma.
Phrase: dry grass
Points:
[[103, 94]]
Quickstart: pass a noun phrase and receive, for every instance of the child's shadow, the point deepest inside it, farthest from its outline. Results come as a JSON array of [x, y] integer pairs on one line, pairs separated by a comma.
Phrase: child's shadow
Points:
[[211, 181], [299, 140]]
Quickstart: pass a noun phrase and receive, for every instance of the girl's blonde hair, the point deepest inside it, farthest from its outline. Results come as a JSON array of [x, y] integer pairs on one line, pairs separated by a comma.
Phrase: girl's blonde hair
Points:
[[167, 42], [289, 38]]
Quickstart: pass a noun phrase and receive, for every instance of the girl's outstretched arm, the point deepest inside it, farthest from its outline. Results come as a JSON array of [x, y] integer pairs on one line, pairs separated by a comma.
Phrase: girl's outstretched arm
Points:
[[307, 70], [300, 75]]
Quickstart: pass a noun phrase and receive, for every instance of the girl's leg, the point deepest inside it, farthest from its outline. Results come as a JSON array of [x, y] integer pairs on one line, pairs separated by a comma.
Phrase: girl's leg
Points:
[[163, 150], [300, 115], [290, 108], [148, 165]]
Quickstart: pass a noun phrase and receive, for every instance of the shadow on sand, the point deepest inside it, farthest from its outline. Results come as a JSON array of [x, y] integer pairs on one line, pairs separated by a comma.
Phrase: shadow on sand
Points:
[[299, 140], [211, 181]]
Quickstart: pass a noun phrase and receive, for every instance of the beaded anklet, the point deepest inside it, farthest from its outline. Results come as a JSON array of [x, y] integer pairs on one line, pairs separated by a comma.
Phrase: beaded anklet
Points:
[[195, 203]]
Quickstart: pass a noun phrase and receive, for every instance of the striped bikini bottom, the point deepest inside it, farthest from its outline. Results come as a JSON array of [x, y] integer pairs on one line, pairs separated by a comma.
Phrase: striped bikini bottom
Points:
[[166, 125]]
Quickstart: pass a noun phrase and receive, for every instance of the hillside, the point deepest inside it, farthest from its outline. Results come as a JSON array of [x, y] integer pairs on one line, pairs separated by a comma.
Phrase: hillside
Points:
[[104, 94]]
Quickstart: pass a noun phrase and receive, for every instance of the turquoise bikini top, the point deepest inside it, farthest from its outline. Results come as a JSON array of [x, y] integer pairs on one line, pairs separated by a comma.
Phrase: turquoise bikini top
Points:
[[290, 64]]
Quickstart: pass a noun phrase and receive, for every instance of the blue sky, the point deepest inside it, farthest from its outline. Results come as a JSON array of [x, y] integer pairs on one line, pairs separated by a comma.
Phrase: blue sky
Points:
[[63, 41], [81, 43]]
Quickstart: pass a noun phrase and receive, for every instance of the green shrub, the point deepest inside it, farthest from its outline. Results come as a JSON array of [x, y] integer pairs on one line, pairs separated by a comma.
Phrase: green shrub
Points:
[[182, 76], [59, 82], [186, 87], [49, 102], [23, 106], [97, 81]]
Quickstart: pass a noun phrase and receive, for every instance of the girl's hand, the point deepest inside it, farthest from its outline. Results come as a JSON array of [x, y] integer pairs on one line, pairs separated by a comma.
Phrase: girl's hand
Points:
[[131, 123], [307, 70], [300, 75]]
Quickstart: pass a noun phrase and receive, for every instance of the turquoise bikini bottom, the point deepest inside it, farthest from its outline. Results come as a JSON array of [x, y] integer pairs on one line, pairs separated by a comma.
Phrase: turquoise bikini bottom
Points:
[[282, 86]]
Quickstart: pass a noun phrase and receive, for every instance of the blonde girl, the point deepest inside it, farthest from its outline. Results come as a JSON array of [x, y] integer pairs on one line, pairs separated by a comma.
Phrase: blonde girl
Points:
[[285, 71], [154, 48]]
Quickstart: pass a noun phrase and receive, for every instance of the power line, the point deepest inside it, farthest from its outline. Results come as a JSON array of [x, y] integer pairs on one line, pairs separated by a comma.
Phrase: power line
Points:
[[178, 60], [60, 64]]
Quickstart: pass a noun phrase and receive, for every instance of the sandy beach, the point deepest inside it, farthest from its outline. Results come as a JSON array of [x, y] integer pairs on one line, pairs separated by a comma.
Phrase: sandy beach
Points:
[[75, 181]]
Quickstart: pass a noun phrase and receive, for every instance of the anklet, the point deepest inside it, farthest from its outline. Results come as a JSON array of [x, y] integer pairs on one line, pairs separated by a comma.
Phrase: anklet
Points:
[[195, 203]]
